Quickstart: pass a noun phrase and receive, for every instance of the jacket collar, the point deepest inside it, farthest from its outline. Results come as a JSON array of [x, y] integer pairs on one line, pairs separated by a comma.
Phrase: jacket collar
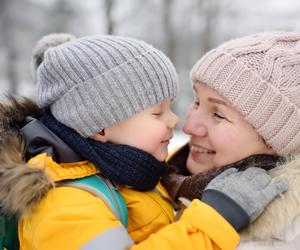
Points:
[[46, 150], [39, 139], [63, 171]]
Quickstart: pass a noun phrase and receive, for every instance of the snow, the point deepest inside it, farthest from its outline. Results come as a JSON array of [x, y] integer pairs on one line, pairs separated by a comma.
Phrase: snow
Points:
[[178, 140]]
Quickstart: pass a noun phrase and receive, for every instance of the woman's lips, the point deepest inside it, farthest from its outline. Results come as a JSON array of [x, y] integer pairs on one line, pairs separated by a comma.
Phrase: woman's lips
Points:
[[200, 149], [200, 153]]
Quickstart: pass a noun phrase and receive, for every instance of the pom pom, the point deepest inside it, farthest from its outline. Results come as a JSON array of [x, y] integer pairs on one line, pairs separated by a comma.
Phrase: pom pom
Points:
[[48, 41]]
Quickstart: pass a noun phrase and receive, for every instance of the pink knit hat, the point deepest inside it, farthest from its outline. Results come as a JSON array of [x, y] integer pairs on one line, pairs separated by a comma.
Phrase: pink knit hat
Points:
[[260, 75]]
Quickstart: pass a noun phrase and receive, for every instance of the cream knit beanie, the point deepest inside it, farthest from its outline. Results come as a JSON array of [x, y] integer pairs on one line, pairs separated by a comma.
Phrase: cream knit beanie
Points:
[[260, 76]]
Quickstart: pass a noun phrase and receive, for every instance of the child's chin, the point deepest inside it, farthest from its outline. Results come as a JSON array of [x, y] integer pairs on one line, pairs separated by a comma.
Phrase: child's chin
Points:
[[161, 158], [161, 153]]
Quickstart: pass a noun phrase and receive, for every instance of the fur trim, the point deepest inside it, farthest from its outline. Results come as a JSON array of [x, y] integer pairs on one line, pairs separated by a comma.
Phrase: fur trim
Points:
[[20, 186], [281, 211], [51, 40], [13, 110]]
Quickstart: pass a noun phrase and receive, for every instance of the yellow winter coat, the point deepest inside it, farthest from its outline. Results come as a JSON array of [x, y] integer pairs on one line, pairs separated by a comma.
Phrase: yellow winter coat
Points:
[[70, 218]]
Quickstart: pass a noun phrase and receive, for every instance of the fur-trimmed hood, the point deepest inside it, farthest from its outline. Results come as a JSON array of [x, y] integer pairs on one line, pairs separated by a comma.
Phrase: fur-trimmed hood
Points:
[[20, 185], [280, 220], [281, 213]]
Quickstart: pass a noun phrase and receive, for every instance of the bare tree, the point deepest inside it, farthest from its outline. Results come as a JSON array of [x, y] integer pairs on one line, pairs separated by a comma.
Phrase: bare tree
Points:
[[210, 11], [60, 16], [7, 27], [168, 29], [109, 5], [113, 23]]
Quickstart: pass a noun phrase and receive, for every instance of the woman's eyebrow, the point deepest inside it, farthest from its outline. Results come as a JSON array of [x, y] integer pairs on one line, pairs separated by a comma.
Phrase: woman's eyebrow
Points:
[[218, 101]]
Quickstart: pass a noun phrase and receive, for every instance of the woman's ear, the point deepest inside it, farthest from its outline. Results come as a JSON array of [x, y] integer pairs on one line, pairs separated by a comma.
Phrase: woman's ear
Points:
[[271, 150], [99, 136]]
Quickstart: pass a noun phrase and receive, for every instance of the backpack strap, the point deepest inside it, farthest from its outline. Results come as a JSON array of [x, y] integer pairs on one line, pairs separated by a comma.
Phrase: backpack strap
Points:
[[103, 188], [9, 232], [2, 231]]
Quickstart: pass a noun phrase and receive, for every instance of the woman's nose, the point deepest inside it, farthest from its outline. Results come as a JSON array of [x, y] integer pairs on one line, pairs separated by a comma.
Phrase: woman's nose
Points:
[[194, 125]]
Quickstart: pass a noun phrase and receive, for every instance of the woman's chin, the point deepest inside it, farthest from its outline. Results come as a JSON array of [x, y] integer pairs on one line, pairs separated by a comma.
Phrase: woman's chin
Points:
[[198, 164]]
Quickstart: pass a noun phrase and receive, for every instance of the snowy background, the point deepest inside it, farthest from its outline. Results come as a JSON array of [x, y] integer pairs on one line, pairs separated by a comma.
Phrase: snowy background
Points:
[[183, 29]]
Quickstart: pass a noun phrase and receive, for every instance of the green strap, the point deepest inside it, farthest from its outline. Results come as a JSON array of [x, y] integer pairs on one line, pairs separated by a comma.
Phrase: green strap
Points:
[[9, 232], [104, 189], [2, 231]]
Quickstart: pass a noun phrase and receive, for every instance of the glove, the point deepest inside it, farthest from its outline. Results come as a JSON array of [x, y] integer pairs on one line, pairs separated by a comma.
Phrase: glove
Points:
[[179, 184], [240, 197]]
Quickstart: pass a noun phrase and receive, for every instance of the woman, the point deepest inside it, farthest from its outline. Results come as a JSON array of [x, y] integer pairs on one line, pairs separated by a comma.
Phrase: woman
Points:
[[246, 113]]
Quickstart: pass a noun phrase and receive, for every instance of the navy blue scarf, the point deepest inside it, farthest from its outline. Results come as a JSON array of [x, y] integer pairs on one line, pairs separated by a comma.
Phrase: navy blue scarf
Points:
[[122, 164]]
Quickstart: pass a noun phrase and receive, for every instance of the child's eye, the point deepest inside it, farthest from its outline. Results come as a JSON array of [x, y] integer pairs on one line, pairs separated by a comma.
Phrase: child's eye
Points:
[[157, 113], [196, 103]]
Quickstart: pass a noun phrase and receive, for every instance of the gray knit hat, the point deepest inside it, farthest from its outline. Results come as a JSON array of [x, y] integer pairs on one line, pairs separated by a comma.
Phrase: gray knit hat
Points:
[[94, 82], [260, 76]]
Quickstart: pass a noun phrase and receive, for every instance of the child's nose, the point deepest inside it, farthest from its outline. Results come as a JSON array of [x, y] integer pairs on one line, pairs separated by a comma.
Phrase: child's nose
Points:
[[173, 120], [194, 126]]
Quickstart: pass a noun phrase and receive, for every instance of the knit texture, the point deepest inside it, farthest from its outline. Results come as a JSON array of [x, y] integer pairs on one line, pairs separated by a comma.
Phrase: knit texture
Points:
[[260, 76], [122, 164], [94, 82], [180, 184], [252, 189]]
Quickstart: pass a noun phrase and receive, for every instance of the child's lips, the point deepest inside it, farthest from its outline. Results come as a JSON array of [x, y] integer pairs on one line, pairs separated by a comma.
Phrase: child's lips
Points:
[[167, 140]]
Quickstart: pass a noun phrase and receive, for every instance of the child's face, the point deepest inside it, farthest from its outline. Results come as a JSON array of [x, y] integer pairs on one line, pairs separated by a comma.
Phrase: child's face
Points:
[[218, 133], [150, 130]]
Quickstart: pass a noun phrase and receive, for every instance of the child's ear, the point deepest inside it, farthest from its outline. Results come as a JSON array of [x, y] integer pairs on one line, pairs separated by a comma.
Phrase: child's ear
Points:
[[99, 136]]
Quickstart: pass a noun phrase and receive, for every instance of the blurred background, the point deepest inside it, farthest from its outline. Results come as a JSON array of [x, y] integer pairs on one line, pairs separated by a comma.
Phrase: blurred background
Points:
[[183, 29]]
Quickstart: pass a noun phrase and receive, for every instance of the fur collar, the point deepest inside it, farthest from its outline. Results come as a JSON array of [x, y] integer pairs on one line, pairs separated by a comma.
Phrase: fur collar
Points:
[[20, 185], [281, 212]]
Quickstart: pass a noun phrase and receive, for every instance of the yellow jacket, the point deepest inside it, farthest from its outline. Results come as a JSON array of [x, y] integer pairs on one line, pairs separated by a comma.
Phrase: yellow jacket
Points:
[[70, 218]]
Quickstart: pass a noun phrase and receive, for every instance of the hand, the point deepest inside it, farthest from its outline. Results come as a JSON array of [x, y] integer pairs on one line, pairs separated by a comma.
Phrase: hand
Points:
[[252, 189]]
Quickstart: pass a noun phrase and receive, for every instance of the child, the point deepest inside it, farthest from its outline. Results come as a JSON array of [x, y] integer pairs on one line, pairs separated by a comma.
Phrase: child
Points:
[[106, 102], [246, 113]]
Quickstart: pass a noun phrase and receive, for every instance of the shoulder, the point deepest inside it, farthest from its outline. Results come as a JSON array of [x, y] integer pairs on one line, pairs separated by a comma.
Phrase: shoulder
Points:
[[69, 197], [66, 209], [69, 204], [270, 245], [282, 212]]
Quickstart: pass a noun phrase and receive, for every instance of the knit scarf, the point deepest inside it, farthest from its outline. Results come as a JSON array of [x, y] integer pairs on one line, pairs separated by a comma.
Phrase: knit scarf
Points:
[[121, 164], [179, 182]]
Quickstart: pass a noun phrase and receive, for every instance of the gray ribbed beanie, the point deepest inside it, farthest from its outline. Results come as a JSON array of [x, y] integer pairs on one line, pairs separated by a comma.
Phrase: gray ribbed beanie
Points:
[[260, 76], [94, 82]]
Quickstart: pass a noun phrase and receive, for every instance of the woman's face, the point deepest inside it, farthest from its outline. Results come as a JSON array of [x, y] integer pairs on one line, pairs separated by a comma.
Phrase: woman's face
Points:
[[218, 133]]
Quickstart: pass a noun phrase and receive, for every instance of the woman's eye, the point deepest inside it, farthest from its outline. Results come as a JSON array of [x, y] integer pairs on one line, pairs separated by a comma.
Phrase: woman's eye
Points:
[[219, 116], [157, 113]]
